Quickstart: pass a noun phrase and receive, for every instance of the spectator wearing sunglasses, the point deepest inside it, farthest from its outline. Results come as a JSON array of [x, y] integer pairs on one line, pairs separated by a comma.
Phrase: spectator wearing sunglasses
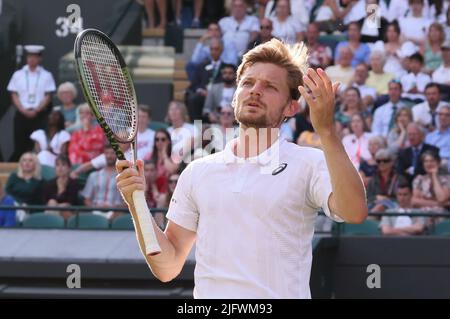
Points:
[[161, 156], [265, 33], [382, 186]]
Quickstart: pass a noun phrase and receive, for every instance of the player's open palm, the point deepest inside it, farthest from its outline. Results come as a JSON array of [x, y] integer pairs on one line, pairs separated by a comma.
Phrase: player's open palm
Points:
[[319, 93]]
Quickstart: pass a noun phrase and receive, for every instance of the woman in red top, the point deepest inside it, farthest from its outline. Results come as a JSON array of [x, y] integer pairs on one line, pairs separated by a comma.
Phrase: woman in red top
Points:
[[161, 156], [88, 142]]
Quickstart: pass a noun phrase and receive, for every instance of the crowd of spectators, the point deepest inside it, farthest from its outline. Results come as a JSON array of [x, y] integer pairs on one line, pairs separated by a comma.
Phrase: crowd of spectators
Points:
[[392, 110]]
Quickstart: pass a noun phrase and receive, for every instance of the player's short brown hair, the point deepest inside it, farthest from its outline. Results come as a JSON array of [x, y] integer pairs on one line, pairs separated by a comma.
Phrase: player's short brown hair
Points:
[[292, 58]]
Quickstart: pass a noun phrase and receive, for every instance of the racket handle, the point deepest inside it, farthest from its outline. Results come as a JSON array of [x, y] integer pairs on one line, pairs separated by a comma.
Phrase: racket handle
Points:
[[145, 221]]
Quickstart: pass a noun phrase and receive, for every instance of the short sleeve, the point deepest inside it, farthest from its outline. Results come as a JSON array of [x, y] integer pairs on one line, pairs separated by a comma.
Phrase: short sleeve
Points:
[[254, 24], [12, 85], [49, 83], [89, 187], [416, 183], [320, 187], [99, 161], [39, 136], [182, 209]]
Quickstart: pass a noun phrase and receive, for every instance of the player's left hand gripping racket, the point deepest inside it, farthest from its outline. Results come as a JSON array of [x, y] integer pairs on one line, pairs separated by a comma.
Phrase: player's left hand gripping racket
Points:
[[109, 91]]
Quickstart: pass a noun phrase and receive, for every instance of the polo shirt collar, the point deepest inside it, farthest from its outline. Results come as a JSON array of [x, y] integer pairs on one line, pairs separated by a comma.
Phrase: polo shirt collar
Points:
[[270, 156]]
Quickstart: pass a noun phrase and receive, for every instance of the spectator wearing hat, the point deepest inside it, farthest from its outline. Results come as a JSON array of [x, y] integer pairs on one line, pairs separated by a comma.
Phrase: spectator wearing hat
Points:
[[442, 73], [30, 88]]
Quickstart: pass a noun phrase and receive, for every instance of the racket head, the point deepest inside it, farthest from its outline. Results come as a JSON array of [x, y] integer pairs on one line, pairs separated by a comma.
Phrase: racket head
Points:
[[107, 85]]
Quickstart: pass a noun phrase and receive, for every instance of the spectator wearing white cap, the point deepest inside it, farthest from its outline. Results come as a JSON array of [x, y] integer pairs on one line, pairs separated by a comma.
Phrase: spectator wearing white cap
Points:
[[30, 88], [442, 73]]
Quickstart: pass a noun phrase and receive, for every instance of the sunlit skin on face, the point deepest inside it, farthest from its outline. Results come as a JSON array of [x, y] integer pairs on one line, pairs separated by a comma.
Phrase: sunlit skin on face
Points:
[[403, 119], [392, 35], [175, 114], [262, 96], [144, 120], [66, 97], [403, 196], [429, 163], [33, 60], [62, 169], [27, 163], [357, 125], [110, 157]]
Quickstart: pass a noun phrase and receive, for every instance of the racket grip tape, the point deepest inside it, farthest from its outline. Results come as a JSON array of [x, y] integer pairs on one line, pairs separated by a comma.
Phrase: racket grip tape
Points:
[[145, 221]]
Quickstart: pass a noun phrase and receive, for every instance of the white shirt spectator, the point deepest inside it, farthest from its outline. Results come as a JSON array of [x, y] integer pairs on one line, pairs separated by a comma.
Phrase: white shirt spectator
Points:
[[359, 11], [31, 87], [422, 113], [357, 148], [239, 33], [414, 27], [397, 9], [410, 80], [227, 96], [300, 11], [48, 153], [286, 30], [442, 75], [181, 139], [366, 90], [278, 264], [382, 118], [144, 150], [145, 142]]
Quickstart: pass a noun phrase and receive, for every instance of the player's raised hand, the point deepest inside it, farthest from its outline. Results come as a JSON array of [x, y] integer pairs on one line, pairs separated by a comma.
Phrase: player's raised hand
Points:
[[319, 93], [130, 179]]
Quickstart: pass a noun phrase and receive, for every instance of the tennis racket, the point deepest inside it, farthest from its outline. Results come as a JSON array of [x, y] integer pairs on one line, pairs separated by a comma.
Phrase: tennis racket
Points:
[[109, 91]]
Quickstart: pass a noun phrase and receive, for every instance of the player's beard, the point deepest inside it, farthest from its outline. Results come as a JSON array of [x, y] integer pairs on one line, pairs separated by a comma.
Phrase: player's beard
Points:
[[262, 120]]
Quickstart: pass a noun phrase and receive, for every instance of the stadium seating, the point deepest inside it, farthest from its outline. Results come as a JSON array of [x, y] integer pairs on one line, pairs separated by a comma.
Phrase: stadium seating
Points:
[[155, 125], [123, 223], [442, 228], [88, 221], [369, 227], [48, 172], [42, 220]]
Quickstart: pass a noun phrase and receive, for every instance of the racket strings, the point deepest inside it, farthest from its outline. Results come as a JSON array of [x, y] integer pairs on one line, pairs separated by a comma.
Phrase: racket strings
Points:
[[109, 87]]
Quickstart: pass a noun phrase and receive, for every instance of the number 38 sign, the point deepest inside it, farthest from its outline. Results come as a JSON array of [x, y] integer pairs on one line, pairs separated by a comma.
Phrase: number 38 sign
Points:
[[71, 24]]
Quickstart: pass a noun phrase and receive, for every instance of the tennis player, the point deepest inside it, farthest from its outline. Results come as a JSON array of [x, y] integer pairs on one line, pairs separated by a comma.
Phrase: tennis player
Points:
[[251, 208]]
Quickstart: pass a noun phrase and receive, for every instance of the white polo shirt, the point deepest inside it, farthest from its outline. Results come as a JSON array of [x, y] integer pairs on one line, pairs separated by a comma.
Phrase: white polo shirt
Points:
[[239, 33], [254, 229], [31, 86], [422, 113]]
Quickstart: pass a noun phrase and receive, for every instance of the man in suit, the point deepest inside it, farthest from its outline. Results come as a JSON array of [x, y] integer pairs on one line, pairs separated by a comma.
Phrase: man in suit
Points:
[[220, 94], [408, 162], [205, 76]]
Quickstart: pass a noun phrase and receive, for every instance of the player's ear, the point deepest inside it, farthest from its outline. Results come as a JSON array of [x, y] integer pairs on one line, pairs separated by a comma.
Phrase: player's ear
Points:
[[292, 109]]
